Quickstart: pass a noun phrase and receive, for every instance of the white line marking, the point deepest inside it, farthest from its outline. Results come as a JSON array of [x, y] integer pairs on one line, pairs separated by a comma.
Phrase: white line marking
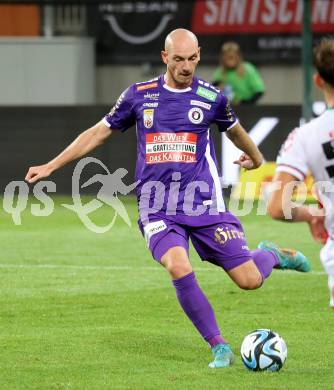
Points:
[[262, 129], [230, 152], [127, 268]]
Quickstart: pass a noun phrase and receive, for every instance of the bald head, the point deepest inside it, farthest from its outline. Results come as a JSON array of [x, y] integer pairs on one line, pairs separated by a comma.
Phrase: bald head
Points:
[[181, 55], [179, 39]]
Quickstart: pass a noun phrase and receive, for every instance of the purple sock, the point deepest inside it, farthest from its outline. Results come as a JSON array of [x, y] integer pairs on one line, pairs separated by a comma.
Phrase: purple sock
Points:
[[265, 262], [198, 309]]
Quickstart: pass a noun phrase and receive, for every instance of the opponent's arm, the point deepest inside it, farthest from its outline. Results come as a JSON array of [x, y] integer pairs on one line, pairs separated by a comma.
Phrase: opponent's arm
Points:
[[83, 144], [252, 157], [280, 203]]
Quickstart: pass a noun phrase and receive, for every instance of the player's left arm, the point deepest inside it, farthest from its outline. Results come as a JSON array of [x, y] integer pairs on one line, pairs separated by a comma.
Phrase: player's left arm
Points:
[[252, 157]]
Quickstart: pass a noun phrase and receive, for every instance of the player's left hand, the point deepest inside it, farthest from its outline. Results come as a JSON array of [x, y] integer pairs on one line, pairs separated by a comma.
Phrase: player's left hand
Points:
[[245, 162]]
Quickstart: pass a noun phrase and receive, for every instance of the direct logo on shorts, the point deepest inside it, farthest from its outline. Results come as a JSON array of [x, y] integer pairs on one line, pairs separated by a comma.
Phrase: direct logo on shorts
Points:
[[148, 118], [153, 228], [223, 235], [195, 115]]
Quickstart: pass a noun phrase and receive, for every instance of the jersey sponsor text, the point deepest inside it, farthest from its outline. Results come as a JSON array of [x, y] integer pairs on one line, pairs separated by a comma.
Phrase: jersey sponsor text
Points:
[[170, 147]]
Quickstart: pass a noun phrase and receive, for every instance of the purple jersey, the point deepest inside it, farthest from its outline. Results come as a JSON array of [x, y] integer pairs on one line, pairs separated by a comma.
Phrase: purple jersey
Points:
[[176, 162]]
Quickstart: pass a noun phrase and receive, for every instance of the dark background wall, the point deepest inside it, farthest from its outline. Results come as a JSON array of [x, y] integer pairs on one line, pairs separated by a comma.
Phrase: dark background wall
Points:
[[34, 135]]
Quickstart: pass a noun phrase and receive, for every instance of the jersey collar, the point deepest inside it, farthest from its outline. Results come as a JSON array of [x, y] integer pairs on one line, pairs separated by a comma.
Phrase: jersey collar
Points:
[[175, 89]]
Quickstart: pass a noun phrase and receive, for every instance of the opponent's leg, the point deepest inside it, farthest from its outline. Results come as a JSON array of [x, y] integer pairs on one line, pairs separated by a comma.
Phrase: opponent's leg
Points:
[[327, 259], [195, 304], [331, 291]]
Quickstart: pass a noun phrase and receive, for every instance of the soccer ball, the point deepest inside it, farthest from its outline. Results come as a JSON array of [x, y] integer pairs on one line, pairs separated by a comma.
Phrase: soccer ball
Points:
[[263, 350]]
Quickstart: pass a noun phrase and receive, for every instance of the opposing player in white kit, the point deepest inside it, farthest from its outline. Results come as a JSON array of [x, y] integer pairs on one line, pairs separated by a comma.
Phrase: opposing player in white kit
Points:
[[311, 148]]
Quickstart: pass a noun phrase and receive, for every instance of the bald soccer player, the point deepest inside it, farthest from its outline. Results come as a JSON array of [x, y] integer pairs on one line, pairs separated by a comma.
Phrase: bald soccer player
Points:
[[179, 194]]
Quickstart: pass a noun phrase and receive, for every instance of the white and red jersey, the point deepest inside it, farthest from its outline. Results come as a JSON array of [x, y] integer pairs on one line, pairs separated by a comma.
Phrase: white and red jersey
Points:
[[310, 148]]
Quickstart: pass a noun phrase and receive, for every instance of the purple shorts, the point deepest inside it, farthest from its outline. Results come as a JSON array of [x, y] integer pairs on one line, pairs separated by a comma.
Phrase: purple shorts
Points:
[[223, 244]]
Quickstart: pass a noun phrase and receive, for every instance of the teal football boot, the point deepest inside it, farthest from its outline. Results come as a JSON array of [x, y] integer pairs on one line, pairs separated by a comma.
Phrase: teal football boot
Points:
[[288, 258], [223, 356]]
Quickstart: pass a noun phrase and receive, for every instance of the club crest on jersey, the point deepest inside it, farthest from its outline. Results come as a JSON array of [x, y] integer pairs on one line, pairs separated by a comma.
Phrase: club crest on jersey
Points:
[[148, 118], [195, 115]]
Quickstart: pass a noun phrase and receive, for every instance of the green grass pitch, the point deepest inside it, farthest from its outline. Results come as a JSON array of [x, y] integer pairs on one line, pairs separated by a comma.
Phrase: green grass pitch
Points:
[[86, 311]]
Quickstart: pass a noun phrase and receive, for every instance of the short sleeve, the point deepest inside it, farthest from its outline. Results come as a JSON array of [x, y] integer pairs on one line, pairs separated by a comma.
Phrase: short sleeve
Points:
[[122, 115], [225, 117], [292, 158]]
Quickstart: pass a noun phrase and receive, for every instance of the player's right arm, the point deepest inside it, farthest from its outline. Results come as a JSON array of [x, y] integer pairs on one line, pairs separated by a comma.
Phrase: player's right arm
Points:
[[121, 117], [227, 121], [83, 144], [252, 157]]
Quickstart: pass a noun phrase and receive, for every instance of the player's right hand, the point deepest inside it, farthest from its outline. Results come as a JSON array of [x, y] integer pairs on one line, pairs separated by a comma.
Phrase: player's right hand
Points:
[[37, 173]]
